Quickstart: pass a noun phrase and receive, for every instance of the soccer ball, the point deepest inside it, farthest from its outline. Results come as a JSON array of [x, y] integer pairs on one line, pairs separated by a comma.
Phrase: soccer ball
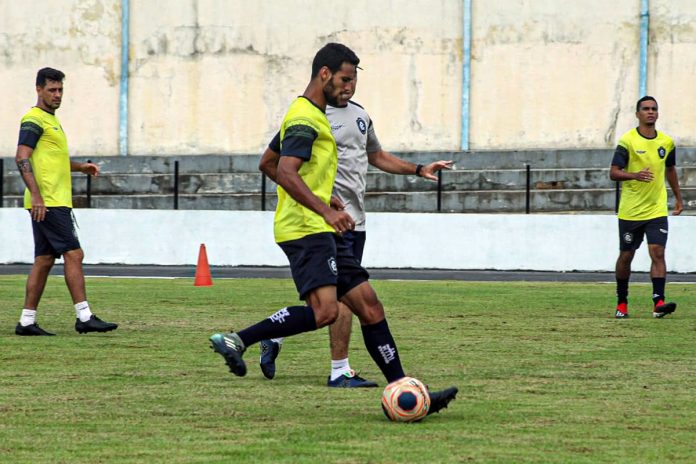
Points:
[[405, 400]]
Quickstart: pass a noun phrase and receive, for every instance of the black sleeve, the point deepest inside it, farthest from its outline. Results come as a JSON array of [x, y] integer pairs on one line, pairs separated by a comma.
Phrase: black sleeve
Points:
[[29, 134], [298, 141], [275, 143], [671, 158], [620, 157]]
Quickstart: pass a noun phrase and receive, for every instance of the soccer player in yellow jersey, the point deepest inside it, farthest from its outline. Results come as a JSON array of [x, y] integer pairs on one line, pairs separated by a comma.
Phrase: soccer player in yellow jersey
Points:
[[642, 160], [44, 164], [358, 146], [306, 227]]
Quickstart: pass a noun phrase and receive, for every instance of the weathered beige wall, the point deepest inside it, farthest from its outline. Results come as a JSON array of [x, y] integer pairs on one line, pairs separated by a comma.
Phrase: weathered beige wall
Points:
[[553, 74], [79, 37], [215, 76], [672, 66], [225, 71]]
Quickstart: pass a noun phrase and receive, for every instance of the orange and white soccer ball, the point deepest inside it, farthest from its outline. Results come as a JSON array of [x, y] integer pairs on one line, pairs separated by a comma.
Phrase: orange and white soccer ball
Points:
[[405, 400]]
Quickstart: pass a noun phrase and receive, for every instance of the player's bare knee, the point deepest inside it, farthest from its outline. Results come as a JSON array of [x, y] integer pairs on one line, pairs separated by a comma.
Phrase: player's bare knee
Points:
[[44, 262], [325, 314], [373, 313], [657, 254], [74, 256], [626, 257]]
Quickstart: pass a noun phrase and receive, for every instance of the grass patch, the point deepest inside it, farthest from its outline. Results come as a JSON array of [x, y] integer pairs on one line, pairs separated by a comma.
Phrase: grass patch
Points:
[[544, 371]]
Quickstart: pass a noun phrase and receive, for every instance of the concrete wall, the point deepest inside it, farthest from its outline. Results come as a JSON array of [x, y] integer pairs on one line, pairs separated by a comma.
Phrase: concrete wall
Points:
[[395, 240], [215, 76], [82, 39]]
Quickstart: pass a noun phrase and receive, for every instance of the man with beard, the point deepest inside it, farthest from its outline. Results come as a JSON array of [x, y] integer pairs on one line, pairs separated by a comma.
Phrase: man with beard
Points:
[[358, 146], [305, 227], [44, 163]]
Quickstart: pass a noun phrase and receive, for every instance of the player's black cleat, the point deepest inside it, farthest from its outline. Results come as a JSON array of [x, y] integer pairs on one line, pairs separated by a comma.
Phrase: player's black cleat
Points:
[[440, 399], [269, 353], [350, 380], [94, 324], [31, 330], [230, 347], [662, 309]]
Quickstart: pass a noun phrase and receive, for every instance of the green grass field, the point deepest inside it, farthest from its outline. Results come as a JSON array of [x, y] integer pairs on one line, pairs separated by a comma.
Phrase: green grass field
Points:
[[545, 375]]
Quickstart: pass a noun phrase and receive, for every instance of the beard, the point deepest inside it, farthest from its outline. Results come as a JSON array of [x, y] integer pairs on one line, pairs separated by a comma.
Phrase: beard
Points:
[[50, 104], [329, 90]]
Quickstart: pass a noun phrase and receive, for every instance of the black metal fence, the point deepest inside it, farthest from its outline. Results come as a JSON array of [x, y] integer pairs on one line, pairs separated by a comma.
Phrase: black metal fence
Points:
[[2, 182], [264, 183]]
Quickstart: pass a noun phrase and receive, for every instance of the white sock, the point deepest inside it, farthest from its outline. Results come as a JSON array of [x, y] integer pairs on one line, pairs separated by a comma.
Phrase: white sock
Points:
[[339, 367], [82, 311], [28, 317], [279, 341]]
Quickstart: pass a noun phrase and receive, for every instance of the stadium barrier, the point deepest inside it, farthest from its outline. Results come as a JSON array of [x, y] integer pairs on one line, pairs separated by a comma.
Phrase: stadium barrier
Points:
[[539, 242]]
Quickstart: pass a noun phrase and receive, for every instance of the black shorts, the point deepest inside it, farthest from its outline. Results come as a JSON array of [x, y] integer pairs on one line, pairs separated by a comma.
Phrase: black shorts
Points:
[[354, 242], [316, 261], [631, 233], [56, 234]]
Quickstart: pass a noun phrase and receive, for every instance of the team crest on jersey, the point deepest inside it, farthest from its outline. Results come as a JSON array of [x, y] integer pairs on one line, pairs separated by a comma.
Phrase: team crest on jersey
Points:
[[628, 237], [361, 125], [333, 266], [662, 152]]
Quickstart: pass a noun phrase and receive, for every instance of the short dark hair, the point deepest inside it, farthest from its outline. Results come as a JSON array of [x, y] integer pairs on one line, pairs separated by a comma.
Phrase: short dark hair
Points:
[[333, 55], [645, 98], [48, 74]]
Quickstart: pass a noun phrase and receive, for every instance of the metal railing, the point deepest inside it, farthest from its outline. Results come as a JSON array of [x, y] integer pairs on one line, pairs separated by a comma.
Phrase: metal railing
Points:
[[264, 202], [2, 182], [176, 184]]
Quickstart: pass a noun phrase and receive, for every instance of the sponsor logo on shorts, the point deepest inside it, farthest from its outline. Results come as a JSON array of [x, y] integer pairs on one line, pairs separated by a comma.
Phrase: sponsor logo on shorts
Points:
[[640, 152], [333, 266], [361, 125], [662, 152], [664, 231], [628, 237]]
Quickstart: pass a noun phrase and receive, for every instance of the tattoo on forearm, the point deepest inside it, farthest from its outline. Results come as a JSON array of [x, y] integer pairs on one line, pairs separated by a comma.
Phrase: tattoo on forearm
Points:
[[24, 165]]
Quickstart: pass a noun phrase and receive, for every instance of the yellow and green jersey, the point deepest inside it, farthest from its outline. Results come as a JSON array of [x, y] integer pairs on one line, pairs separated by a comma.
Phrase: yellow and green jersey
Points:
[[641, 201], [306, 134], [50, 159]]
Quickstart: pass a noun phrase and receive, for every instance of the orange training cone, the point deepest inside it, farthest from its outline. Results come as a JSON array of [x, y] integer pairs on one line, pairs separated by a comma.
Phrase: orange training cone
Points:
[[203, 278]]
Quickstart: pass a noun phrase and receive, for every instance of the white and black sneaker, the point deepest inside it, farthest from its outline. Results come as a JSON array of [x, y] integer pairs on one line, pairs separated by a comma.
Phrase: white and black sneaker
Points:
[[230, 347]]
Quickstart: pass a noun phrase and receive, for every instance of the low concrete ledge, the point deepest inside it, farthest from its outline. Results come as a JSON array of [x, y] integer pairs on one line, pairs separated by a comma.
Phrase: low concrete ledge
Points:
[[395, 240]]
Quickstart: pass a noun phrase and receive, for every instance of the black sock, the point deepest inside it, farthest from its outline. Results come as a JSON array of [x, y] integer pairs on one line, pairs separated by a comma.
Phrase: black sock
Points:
[[622, 290], [284, 323], [380, 344], [658, 288]]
